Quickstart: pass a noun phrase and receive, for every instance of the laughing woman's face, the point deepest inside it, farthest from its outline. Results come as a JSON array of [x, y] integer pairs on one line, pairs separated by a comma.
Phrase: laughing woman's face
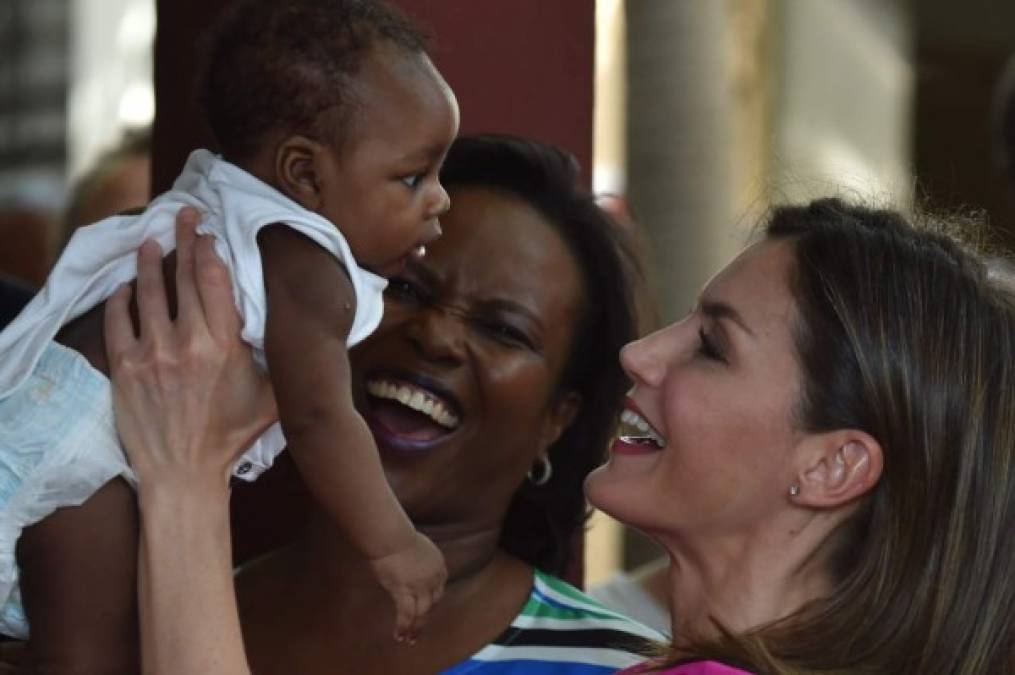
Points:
[[459, 383], [709, 440]]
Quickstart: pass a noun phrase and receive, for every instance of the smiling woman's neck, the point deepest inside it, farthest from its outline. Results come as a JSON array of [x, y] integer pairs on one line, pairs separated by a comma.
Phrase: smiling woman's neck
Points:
[[467, 549], [466, 552], [742, 583]]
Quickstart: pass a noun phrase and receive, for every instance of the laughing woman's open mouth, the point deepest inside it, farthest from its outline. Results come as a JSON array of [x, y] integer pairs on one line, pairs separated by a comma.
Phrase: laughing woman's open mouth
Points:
[[410, 412]]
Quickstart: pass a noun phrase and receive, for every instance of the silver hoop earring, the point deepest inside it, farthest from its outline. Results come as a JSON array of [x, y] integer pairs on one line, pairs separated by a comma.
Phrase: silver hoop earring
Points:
[[545, 472], [794, 490]]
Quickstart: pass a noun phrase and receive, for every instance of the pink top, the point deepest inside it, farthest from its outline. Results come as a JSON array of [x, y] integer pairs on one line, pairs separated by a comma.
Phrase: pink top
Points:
[[696, 668]]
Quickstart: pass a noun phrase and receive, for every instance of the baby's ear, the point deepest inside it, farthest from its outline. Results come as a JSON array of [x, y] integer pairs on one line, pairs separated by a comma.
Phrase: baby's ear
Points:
[[296, 169]]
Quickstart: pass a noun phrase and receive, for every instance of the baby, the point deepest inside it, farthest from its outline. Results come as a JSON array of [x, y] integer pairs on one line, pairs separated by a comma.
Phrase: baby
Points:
[[333, 124]]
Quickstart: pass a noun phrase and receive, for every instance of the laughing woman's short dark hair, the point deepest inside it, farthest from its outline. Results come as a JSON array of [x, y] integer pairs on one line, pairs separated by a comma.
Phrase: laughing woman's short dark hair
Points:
[[542, 521]]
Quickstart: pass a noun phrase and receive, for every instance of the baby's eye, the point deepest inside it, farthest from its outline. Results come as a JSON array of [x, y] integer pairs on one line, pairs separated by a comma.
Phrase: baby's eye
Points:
[[413, 181]]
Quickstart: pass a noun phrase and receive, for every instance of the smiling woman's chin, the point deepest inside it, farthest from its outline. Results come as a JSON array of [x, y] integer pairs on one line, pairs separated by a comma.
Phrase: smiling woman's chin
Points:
[[617, 492]]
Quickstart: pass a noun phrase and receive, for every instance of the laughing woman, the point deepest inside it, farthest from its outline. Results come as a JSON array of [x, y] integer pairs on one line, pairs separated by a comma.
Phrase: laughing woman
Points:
[[826, 448], [492, 388]]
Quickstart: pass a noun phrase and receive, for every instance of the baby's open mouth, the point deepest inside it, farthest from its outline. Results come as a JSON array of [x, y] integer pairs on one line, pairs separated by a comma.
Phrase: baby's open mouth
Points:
[[634, 429], [409, 410]]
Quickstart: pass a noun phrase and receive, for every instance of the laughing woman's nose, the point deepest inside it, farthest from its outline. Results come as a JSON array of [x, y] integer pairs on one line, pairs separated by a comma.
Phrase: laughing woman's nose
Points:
[[439, 336]]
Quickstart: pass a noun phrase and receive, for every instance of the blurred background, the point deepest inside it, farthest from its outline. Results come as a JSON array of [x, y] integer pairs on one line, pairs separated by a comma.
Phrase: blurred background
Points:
[[75, 78], [705, 113]]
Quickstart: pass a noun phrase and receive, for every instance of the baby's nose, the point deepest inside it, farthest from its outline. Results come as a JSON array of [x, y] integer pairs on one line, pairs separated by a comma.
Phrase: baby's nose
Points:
[[443, 201]]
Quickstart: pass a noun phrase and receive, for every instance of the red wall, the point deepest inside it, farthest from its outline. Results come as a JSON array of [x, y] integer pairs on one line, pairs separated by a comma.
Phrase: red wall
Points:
[[519, 66], [523, 67]]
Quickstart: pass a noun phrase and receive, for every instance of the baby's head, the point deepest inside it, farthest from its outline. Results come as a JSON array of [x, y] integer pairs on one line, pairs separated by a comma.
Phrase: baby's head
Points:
[[336, 104]]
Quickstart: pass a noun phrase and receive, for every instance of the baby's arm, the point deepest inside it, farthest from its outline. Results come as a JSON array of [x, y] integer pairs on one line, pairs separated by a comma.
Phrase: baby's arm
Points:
[[311, 305]]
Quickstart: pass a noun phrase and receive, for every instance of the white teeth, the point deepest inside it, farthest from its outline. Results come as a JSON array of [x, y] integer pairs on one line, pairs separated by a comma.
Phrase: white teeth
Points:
[[632, 419], [412, 397], [444, 418]]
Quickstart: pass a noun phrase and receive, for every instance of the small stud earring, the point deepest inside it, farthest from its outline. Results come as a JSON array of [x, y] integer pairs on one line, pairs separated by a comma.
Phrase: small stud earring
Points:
[[794, 490]]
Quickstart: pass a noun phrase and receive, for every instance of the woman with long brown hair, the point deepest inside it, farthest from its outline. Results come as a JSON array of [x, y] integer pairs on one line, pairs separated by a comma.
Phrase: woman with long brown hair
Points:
[[825, 447]]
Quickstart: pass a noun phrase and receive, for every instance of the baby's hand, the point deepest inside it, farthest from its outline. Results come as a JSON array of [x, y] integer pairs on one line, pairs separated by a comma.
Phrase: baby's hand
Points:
[[414, 577]]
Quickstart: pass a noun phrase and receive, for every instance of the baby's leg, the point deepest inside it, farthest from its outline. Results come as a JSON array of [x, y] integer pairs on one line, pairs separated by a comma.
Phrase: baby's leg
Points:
[[79, 586]]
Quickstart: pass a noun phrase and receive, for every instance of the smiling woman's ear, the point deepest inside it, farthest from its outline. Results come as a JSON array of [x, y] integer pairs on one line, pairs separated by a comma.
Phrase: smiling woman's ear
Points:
[[838, 467], [562, 413]]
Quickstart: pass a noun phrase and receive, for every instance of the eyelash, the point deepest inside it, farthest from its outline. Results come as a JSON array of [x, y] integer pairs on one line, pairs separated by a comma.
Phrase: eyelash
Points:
[[707, 348], [502, 332]]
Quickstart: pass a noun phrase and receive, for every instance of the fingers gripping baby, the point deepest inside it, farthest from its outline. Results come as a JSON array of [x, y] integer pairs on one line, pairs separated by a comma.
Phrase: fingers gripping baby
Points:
[[333, 124]]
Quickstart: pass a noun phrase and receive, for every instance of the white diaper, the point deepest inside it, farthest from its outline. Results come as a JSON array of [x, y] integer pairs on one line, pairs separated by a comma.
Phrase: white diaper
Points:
[[58, 445]]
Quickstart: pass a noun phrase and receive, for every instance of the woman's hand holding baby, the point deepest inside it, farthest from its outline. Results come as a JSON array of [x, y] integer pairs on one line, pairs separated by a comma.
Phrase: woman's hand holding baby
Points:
[[188, 400], [187, 394]]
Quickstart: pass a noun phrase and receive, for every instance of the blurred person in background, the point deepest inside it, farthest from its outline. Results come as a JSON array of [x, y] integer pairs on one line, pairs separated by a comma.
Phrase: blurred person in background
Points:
[[27, 233], [119, 180]]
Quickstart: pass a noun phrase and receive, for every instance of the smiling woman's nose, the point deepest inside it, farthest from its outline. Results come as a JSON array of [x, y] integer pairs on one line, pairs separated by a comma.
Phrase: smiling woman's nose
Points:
[[644, 360]]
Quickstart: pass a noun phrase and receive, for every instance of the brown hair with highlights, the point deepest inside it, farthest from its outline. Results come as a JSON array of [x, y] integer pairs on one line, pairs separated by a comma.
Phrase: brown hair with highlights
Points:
[[902, 334]]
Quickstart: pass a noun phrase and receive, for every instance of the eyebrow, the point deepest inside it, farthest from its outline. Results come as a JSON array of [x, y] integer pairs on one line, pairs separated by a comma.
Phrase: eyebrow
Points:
[[427, 153], [720, 310]]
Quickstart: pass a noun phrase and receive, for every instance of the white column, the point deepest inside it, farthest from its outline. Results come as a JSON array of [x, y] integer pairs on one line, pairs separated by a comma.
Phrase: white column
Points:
[[682, 142]]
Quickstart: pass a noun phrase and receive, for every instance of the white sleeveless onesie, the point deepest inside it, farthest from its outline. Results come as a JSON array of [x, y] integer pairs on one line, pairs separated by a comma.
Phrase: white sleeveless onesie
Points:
[[58, 441]]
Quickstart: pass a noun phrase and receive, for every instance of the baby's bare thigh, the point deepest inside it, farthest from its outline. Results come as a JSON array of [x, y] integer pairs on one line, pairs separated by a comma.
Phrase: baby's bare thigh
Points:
[[79, 585]]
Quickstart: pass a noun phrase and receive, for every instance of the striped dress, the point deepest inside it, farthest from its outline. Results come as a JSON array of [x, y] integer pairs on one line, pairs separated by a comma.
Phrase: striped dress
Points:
[[561, 631]]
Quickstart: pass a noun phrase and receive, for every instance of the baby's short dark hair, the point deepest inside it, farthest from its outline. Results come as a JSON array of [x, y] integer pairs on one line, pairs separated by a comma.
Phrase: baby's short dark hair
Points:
[[291, 64]]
